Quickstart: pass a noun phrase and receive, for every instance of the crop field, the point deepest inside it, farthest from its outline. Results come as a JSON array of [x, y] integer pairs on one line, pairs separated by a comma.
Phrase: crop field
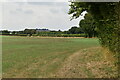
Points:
[[36, 57]]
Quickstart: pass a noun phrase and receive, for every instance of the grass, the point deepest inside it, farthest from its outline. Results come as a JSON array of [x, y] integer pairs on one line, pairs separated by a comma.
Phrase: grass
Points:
[[44, 57]]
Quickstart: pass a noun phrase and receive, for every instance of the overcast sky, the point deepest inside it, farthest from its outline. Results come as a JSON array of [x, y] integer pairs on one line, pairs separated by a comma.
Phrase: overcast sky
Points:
[[32, 15]]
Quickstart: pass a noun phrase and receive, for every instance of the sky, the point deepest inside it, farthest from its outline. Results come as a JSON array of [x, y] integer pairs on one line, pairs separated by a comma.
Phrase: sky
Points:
[[51, 15]]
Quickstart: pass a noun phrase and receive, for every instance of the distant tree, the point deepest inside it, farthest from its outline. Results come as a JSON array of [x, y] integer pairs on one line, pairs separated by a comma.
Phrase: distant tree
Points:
[[5, 32], [30, 31], [75, 30], [59, 30], [88, 25], [79, 30], [20, 32], [14, 32], [66, 32]]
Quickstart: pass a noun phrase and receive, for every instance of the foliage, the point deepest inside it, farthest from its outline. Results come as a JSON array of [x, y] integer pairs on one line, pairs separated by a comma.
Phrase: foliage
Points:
[[14, 32], [26, 32], [21, 34], [30, 31], [88, 25], [5, 32], [107, 17], [59, 34], [75, 30]]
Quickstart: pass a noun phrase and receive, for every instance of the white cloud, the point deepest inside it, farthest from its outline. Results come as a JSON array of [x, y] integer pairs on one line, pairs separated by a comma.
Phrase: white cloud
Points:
[[21, 15], [34, 0]]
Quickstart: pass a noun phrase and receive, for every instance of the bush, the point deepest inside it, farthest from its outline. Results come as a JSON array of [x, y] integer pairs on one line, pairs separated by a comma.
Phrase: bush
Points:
[[63, 35], [21, 34]]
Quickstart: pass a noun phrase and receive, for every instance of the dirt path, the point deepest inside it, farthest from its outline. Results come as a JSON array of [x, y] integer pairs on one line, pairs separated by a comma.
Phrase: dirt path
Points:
[[87, 63]]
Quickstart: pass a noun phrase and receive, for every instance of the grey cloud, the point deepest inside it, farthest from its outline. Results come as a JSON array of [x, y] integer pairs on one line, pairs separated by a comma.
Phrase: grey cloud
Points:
[[54, 11], [48, 3], [47, 0], [41, 3], [28, 12], [19, 9], [65, 9], [50, 15], [20, 3], [13, 12], [57, 6]]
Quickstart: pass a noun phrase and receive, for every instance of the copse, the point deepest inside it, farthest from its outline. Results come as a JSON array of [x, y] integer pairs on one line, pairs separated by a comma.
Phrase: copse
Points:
[[5, 32], [89, 26], [30, 31], [107, 17], [75, 30]]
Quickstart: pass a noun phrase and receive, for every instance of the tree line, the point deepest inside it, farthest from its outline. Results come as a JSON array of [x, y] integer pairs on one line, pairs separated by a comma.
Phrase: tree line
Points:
[[72, 32], [106, 18]]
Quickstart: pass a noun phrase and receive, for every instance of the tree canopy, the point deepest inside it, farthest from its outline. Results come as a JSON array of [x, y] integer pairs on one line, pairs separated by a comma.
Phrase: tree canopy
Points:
[[107, 16], [88, 25], [75, 30]]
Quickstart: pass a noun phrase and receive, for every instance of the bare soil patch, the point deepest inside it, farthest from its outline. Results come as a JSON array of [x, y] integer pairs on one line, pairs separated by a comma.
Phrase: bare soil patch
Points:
[[87, 63]]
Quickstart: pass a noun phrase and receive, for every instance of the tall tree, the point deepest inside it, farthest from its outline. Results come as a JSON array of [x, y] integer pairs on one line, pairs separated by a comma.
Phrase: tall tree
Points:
[[106, 14], [88, 25], [75, 30]]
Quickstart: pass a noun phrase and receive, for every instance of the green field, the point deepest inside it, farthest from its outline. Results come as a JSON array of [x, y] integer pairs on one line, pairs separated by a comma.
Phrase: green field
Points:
[[35, 57]]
